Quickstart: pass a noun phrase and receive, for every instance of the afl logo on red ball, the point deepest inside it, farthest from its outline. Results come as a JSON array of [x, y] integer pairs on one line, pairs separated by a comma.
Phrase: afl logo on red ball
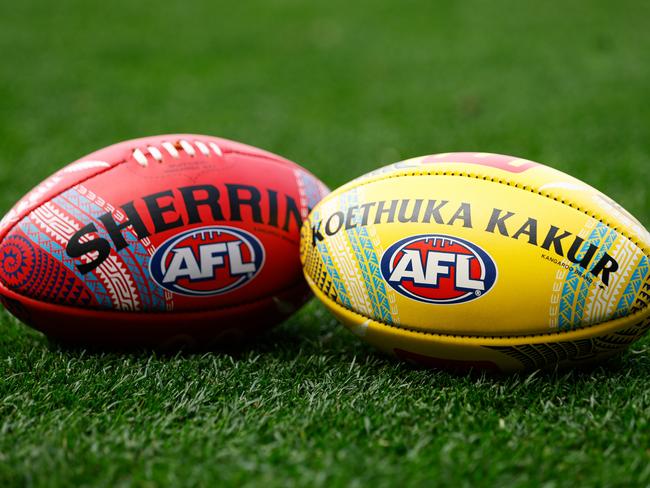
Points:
[[207, 261], [438, 269]]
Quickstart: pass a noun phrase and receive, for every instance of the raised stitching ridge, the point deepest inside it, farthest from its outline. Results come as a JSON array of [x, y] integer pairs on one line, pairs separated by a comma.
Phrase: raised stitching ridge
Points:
[[501, 181]]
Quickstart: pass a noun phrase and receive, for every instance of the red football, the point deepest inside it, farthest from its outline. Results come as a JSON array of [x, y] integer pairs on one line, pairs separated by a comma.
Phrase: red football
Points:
[[158, 241]]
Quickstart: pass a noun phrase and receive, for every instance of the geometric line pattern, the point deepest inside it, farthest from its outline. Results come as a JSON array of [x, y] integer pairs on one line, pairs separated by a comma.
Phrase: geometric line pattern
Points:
[[135, 256], [339, 285], [535, 356], [34, 273], [59, 226], [131, 237], [576, 289], [368, 263], [602, 301], [640, 275], [54, 249], [309, 189]]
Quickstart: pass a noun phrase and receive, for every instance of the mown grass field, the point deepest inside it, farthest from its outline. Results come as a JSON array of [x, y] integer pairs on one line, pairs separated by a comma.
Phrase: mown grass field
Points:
[[341, 88]]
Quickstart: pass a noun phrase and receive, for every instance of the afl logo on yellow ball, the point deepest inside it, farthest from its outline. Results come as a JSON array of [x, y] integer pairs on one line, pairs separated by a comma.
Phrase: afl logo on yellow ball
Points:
[[438, 269]]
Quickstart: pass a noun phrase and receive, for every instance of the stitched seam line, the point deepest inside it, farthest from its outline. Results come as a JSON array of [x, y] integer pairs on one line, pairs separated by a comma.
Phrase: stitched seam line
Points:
[[89, 177], [502, 182], [265, 156], [464, 336], [119, 163], [492, 179]]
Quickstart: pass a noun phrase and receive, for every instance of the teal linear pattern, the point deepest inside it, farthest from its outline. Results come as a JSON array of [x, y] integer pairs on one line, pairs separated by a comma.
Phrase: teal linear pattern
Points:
[[368, 262], [341, 291], [576, 290], [638, 277]]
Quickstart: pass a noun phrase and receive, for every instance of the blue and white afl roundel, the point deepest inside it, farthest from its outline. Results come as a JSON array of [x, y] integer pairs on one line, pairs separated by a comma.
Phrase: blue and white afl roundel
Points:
[[439, 269], [207, 261]]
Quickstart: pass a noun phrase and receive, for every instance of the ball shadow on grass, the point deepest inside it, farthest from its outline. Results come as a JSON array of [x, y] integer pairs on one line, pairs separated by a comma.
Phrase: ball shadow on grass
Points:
[[313, 332]]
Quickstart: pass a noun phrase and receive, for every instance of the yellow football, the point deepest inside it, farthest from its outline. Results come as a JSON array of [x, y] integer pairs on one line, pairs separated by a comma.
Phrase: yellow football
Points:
[[483, 261]]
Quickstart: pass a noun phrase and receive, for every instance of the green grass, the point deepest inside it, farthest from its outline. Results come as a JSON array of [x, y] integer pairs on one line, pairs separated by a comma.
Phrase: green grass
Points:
[[341, 89]]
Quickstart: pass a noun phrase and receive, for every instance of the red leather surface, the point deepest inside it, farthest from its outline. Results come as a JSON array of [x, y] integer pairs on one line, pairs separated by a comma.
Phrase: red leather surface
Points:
[[137, 196]]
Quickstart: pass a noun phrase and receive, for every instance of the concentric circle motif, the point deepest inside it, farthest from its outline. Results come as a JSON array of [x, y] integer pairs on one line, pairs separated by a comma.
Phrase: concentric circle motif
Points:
[[17, 258]]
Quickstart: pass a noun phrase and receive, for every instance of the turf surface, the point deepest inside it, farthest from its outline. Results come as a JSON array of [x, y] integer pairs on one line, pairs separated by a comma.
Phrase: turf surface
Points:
[[341, 88]]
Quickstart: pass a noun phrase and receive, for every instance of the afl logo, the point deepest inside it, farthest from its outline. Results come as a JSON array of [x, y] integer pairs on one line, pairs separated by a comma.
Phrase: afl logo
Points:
[[438, 269], [207, 261]]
